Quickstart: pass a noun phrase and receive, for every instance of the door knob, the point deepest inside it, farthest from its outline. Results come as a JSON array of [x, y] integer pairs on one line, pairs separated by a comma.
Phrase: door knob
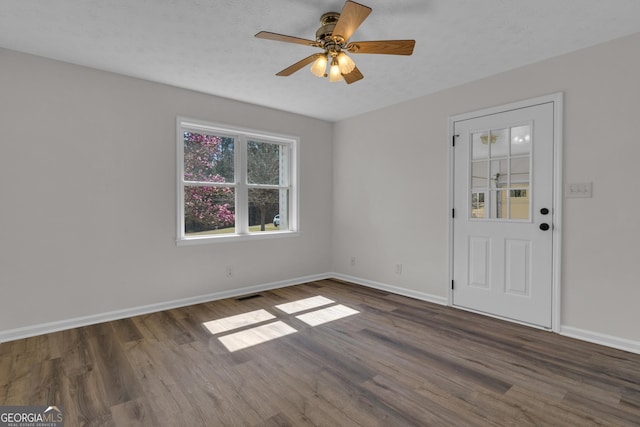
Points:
[[544, 226], [544, 211]]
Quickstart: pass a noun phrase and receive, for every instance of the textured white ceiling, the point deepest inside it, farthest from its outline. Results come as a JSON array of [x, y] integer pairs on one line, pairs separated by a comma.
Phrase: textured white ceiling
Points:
[[208, 45]]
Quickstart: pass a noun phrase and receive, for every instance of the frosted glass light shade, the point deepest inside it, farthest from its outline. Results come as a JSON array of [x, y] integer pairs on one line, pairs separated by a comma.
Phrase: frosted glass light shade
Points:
[[334, 72], [319, 66], [346, 64]]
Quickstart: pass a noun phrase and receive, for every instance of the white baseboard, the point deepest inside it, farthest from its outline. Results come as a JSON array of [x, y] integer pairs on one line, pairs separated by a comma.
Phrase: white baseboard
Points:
[[602, 339], [390, 288], [581, 334], [46, 328]]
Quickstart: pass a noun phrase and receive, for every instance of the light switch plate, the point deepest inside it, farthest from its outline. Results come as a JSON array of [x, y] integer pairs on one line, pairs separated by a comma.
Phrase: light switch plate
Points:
[[575, 190]]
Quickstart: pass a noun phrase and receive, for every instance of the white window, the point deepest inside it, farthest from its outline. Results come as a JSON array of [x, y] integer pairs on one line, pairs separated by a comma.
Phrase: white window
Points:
[[234, 183]]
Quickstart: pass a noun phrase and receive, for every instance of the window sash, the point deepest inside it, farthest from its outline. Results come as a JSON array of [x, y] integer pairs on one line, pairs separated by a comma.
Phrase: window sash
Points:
[[241, 137]]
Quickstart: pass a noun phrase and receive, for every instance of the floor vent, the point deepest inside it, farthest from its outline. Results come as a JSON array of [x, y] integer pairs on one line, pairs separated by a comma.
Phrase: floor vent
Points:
[[248, 297]]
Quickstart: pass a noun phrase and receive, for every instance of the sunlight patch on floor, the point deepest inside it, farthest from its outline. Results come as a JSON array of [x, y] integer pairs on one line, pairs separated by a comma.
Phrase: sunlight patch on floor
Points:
[[304, 304], [329, 314], [259, 334], [241, 320], [247, 336]]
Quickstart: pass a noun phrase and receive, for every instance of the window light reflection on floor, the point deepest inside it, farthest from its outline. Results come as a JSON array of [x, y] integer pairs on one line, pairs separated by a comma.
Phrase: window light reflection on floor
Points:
[[329, 314], [274, 328], [234, 322], [304, 304], [259, 334]]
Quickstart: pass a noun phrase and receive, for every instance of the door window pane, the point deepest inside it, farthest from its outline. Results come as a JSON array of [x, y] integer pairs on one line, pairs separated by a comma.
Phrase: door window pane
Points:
[[520, 171], [479, 146], [499, 143], [497, 208], [520, 140], [519, 204], [479, 175], [477, 205], [499, 173]]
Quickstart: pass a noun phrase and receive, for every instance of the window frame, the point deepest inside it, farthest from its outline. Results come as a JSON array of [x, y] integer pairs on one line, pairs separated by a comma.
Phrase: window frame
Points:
[[241, 185]]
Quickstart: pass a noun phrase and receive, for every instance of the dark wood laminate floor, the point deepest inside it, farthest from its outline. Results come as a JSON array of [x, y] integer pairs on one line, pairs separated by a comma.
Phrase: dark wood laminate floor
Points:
[[397, 362]]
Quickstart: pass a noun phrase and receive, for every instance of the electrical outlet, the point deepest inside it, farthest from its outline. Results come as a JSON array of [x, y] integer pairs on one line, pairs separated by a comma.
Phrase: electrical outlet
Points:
[[229, 271], [574, 190], [353, 261], [399, 269]]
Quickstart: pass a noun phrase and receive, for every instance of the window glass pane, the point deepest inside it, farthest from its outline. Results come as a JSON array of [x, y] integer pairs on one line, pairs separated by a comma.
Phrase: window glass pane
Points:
[[208, 158], [209, 210], [499, 143], [519, 203], [268, 209], [520, 140], [520, 171], [497, 206], [479, 175], [477, 205], [499, 173], [266, 163], [479, 146]]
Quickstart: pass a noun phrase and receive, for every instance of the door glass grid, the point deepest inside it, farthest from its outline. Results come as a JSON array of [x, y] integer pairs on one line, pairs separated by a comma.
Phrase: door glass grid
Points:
[[501, 173]]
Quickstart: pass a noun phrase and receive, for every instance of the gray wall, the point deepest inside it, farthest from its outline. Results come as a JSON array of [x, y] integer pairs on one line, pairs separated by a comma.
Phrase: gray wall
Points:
[[88, 189], [391, 177]]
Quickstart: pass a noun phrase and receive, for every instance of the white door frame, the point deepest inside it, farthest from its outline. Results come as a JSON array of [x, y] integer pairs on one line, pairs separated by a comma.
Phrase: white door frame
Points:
[[557, 100]]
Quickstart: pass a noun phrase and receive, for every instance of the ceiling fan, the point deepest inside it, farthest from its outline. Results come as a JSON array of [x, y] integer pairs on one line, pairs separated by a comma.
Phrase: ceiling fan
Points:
[[333, 38]]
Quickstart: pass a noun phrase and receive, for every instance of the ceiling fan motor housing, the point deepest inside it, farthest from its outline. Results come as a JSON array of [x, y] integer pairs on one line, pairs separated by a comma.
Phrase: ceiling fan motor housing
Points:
[[327, 24]]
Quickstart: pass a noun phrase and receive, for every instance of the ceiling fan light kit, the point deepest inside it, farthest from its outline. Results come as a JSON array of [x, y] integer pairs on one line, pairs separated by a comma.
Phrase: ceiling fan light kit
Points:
[[346, 64], [319, 66], [332, 37], [334, 72]]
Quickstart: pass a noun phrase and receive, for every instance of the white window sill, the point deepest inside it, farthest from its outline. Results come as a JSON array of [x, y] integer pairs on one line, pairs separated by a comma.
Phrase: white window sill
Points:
[[204, 240]]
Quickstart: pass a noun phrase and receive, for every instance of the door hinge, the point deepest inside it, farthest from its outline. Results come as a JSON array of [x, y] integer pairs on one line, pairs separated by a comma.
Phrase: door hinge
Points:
[[452, 287], [453, 213], [453, 140]]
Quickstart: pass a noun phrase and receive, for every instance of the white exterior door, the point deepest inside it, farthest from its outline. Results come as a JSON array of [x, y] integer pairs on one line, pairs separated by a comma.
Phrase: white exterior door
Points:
[[503, 214]]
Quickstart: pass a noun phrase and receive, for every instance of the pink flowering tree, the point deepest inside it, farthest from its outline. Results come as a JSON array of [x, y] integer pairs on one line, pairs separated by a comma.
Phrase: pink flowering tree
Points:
[[208, 159]]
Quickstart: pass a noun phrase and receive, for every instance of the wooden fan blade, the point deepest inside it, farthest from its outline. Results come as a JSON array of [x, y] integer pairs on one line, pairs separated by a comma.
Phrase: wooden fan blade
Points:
[[352, 15], [353, 76], [282, 38], [387, 47], [298, 65]]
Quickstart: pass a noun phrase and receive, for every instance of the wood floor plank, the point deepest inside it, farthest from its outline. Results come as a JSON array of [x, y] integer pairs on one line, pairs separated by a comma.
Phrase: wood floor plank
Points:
[[278, 420], [549, 411], [134, 413], [18, 379], [46, 384], [217, 390], [157, 366], [396, 362], [126, 330], [308, 390]]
